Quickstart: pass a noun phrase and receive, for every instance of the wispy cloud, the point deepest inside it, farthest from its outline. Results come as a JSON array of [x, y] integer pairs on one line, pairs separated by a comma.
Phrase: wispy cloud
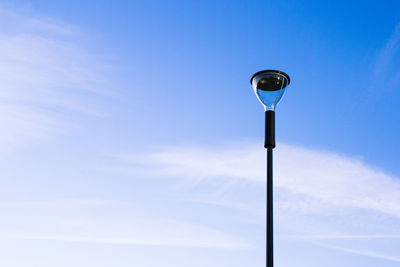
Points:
[[367, 253], [316, 237], [319, 194], [386, 72], [106, 222], [46, 72], [331, 178], [388, 51]]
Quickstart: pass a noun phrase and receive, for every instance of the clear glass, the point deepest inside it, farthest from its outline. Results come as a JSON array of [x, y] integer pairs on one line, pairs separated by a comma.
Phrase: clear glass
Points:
[[269, 88]]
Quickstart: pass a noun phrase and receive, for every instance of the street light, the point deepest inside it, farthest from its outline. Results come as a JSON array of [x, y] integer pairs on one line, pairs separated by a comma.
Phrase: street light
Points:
[[269, 87]]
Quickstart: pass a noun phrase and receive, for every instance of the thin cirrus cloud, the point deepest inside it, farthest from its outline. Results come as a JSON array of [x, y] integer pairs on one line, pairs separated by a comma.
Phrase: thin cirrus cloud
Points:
[[368, 253], [385, 70], [96, 221], [331, 178], [45, 70], [321, 197]]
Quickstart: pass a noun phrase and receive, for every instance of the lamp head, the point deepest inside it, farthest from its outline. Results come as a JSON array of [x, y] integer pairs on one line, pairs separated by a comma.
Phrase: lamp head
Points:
[[269, 87]]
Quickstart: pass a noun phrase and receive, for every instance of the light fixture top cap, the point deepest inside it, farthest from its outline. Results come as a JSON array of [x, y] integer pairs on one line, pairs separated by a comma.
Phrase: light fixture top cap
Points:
[[271, 72]]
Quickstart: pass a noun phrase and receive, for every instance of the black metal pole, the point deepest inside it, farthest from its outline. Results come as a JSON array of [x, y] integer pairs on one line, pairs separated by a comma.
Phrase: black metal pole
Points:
[[269, 144], [270, 211]]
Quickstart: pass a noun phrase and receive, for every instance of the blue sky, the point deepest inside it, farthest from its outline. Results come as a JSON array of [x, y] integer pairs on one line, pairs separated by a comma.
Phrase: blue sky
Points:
[[131, 135]]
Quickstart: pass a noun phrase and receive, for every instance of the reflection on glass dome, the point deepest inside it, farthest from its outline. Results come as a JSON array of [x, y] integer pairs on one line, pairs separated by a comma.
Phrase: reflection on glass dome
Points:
[[269, 86]]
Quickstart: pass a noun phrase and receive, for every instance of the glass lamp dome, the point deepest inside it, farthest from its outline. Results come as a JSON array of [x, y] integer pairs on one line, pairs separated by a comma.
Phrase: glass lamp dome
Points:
[[269, 87]]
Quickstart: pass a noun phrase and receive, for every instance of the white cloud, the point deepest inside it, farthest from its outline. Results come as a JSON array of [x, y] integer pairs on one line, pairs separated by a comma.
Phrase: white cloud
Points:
[[319, 194], [106, 222], [45, 73], [387, 52], [386, 73], [367, 253], [328, 177]]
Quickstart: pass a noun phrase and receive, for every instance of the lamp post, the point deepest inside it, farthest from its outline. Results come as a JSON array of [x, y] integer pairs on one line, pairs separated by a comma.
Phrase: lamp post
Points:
[[269, 87]]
